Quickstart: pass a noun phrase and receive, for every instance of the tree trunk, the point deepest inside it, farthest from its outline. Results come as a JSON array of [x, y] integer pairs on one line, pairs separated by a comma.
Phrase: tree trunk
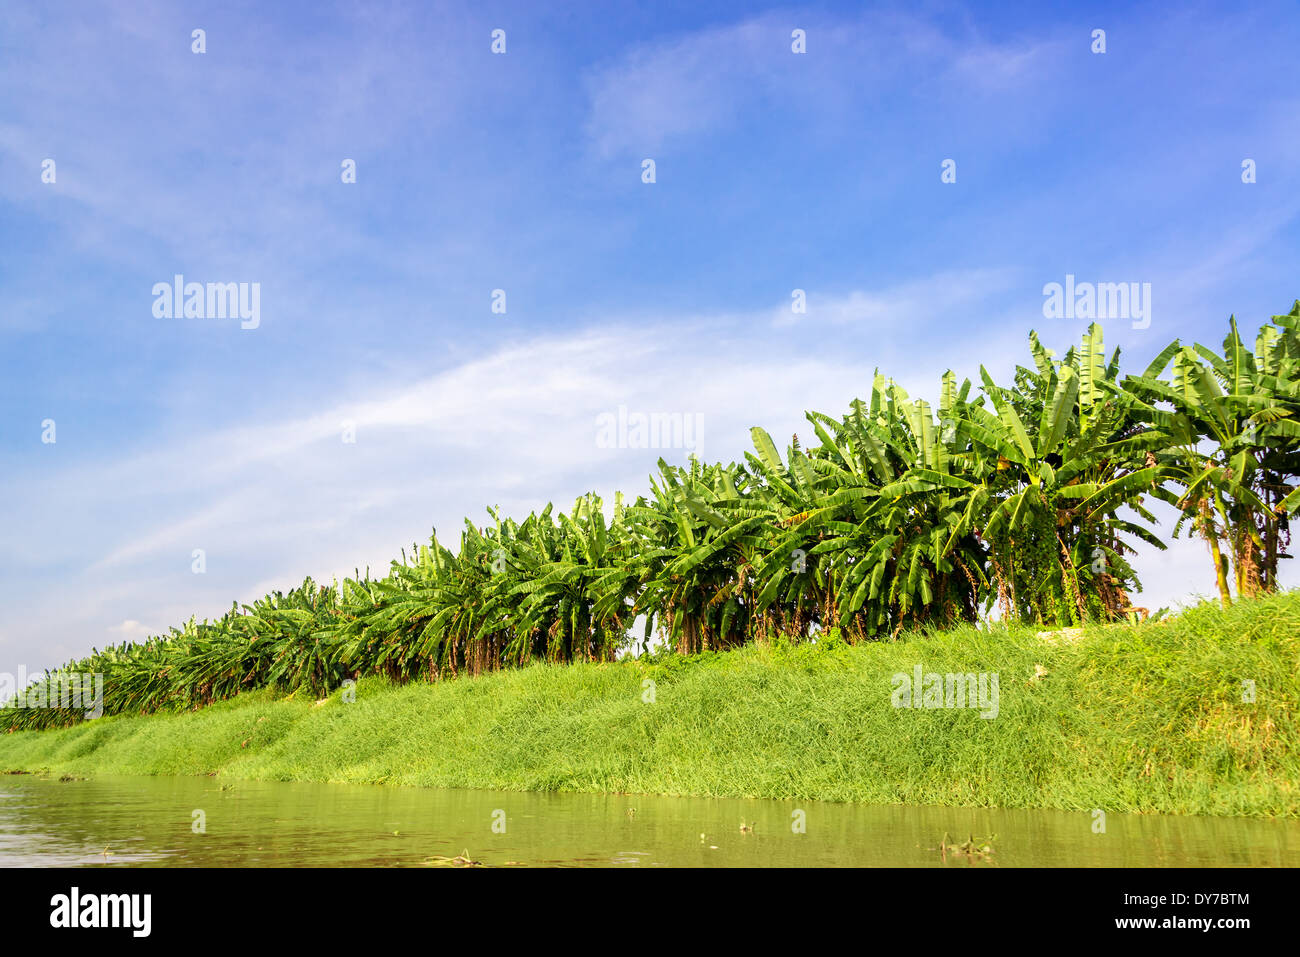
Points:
[[1216, 553]]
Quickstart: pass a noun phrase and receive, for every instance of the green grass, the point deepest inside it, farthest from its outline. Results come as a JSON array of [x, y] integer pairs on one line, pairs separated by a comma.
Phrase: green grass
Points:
[[1129, 718]]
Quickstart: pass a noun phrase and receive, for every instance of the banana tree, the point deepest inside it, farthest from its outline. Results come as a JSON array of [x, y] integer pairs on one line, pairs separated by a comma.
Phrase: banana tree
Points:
[[1232, 440], [1052, 490]]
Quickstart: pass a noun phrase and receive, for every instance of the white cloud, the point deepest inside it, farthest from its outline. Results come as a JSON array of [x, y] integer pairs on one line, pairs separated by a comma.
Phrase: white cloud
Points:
[[905, 305], [658, 94], [131, 630]]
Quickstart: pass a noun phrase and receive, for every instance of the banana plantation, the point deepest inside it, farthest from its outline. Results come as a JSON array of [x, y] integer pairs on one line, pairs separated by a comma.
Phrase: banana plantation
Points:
[[1020, 501]]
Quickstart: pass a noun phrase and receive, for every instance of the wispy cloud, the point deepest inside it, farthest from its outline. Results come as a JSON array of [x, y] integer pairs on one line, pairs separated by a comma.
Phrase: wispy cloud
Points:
[[912, 304], [707, 82]]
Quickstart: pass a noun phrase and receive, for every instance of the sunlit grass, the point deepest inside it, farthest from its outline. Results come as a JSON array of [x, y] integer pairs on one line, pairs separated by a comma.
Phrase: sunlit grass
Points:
[[1145, 717]]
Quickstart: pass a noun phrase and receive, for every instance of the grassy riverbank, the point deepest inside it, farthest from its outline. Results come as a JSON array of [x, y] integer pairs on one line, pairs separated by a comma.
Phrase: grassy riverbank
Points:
[[1140, 718]]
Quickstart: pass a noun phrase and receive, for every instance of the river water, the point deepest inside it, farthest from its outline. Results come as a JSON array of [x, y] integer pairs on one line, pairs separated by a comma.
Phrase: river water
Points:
[[166, 822]]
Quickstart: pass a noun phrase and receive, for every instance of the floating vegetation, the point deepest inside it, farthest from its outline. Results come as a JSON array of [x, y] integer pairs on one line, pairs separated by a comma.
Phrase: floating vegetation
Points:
[[460, 860], [970, 849]]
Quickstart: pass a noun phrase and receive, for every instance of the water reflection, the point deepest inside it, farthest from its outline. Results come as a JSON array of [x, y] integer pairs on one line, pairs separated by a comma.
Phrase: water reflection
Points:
[[151, 821]]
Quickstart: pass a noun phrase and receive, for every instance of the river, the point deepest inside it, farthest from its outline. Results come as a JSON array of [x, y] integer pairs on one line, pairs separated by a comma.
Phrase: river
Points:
[[167, 822]]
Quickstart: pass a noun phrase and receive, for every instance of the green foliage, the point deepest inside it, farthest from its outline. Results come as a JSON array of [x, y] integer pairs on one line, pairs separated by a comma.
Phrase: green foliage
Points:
[[902, 517]]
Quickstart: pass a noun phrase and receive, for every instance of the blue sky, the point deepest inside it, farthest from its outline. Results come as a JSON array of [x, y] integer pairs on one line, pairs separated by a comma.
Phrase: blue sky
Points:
[[775, 171]]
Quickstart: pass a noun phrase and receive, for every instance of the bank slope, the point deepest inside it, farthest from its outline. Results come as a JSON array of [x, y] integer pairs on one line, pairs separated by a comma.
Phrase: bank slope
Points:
[[1127, 718]]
